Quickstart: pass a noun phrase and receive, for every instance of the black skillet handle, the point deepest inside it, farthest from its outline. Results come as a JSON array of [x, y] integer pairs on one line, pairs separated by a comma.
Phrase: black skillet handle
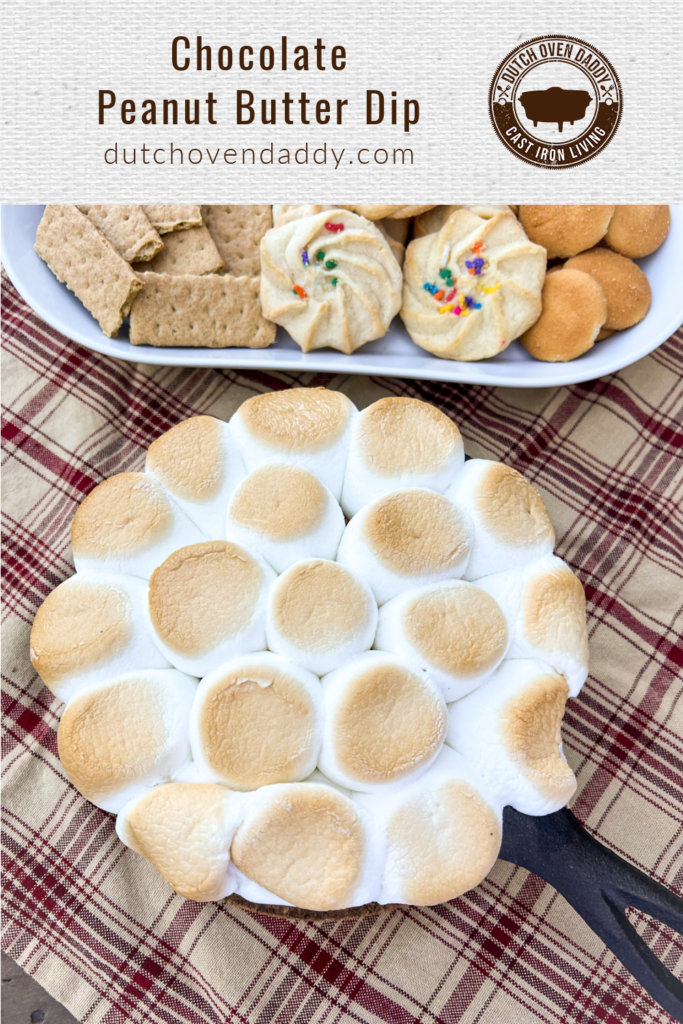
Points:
[[600, 886]]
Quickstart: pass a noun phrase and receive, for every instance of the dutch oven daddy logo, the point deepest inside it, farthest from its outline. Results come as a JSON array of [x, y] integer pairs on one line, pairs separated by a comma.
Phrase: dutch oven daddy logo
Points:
[[555, 101]]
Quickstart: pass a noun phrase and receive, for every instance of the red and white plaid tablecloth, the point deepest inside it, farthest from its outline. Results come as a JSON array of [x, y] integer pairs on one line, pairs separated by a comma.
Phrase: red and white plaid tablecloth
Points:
[[97, 926]]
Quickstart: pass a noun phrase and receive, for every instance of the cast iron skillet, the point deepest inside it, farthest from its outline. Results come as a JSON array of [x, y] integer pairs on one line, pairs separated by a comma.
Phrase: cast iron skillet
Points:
[[596, 882]]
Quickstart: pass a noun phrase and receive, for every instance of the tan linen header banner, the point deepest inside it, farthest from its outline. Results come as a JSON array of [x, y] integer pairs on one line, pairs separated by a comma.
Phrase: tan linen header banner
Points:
[[367, 101]]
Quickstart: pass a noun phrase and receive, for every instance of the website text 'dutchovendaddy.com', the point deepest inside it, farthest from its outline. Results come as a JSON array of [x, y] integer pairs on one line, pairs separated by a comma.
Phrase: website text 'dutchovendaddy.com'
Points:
[[306, 154]]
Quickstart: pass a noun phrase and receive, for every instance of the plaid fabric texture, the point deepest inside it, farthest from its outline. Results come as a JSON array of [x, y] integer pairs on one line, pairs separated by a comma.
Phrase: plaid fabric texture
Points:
[[97, 926]]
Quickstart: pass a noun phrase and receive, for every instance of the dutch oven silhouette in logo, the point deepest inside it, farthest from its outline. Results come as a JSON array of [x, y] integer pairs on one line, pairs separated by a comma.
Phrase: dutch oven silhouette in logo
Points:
[[555, 101], [555, 104]]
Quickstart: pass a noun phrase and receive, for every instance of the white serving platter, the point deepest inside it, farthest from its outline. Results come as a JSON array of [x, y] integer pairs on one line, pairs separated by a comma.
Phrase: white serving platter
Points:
[[395, 355]]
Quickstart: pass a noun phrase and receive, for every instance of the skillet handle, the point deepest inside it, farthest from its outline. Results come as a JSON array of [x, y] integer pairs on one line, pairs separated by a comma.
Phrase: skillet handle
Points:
[[600, 886]]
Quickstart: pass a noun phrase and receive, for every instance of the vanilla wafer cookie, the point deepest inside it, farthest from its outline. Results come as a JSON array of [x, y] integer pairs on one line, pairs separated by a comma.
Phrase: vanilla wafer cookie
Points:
[[625, 286], [237, 232], [566, 230], [187, 252], [82, 258], [173, 216], [637, 231], [129, 230], [208, 311]]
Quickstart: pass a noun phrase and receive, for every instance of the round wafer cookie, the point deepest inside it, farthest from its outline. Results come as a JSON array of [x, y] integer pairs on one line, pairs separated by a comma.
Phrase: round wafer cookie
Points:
[[639, 230], [565, 230], [625, 286], [574, 311]]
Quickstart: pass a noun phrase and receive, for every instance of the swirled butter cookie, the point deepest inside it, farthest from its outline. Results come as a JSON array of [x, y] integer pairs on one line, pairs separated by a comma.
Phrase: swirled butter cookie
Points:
[[377, 211], [396, 233], [330, 280], [473, 287], [283, 213], [435, 218]]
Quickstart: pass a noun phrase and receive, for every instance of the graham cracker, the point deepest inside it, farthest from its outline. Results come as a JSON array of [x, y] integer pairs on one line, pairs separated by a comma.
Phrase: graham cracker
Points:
[[237, 232], [128, 229], [213, 311], [82, 259], [187, 252], [173, 217]]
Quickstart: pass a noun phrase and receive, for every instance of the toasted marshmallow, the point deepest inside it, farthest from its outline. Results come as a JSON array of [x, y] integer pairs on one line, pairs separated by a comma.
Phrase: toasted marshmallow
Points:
[[384, 723], [308, 844], [207, 603], [128, 524], [399, 442], [284, 513], [545, 606], [454, 631], [92, 627], [321, 614], [405, 540], [185, 831], [307, 427], [511, 523], [443, 833], [251, 890], [509, 729], [256, 720], [317, 776], [256, 893], [199, 463], [117, 738]]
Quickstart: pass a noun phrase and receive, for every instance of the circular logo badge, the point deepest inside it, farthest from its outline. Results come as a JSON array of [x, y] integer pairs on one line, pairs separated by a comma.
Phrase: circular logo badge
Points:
[[555, 101]]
